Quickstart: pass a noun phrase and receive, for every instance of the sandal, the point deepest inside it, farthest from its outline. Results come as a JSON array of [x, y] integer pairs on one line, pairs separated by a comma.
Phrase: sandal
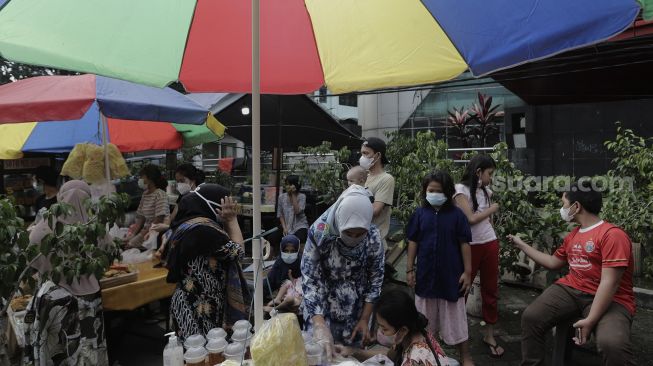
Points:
[[494, 353]]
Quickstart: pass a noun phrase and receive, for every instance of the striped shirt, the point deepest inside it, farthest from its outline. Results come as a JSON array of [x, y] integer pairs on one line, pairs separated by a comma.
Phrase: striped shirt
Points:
[[153, 205]]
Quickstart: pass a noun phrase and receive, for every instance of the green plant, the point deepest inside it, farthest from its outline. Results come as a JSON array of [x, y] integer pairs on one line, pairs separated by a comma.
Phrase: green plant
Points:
[[73, 249], [518, 214], [221, 178], [15, 252], [411, 159], [630, 204], [322, 173], [475, 125]]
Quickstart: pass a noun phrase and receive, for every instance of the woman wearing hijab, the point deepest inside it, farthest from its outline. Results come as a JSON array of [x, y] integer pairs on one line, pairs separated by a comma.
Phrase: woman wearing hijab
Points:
[[69, 327], [286, 266], [342, 268], [205, 249]]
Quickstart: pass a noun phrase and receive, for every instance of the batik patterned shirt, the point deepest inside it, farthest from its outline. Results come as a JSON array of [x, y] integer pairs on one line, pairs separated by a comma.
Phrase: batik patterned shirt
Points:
[[338, 281]]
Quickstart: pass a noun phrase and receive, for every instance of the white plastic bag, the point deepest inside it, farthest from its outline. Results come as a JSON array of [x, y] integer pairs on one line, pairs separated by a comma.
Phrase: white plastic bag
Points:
[[118, 232], [378, 360], [150, 242], [134, 256]]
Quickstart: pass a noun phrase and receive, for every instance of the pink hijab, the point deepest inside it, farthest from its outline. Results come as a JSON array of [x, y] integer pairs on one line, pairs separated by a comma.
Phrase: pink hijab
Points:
[[74, 193]]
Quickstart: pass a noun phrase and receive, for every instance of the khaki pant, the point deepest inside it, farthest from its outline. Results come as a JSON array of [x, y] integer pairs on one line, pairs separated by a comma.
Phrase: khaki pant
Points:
[[560, 303]]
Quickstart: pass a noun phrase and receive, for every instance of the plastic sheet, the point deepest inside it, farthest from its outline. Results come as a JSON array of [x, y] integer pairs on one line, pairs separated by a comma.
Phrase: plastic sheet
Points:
[[279, 342], [134, 256]]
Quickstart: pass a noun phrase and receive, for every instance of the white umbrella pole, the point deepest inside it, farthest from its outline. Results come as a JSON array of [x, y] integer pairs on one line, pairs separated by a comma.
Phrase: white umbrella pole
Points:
[[256, 168], [105, 143]]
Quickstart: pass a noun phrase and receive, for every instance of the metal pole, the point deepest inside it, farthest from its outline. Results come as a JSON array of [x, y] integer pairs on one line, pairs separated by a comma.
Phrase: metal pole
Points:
[[105, 143], [256, 168]]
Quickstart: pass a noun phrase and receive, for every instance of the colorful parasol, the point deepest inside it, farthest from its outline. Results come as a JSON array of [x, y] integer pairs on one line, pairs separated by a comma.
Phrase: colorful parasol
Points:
[[130, 111], [296, 46], [343, 44]]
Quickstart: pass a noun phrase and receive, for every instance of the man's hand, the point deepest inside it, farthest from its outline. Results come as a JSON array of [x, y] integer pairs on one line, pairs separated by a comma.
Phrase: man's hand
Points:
[[465, 283], [516, 241], [583, 330]]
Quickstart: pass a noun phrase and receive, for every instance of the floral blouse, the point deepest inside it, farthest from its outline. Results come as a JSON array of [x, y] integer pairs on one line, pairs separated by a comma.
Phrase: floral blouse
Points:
[[338, 280], [419, 354]]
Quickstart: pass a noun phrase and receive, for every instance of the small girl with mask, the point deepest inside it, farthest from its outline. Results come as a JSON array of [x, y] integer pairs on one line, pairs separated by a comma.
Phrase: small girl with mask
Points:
[[438, 237], [285, 275]]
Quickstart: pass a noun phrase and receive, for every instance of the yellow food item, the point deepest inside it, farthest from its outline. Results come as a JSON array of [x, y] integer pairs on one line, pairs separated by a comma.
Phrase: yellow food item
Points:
[[20, 303], [74, 165], [279, 342], [114, 273], [117, 163]]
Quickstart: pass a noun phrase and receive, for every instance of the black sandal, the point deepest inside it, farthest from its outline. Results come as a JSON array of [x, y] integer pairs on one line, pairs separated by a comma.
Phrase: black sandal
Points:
[[493, 348]]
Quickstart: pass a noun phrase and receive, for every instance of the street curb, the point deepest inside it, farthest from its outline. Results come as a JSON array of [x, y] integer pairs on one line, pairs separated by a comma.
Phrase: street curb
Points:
[[644, 297]]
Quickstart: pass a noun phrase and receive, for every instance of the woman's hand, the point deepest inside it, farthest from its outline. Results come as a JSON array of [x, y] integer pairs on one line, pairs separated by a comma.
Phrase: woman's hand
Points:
[[161, 227], [344, 351], [322, 336], [362, 328], [494, 208], [229, 211], [465, 283]]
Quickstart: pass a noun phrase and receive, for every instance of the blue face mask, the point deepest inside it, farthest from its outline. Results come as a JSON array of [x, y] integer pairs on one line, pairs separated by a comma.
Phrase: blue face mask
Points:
[[436, 198]]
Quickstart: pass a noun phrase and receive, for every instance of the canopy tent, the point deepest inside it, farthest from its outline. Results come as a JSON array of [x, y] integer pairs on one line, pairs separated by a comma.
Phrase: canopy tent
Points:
[[288, 121]]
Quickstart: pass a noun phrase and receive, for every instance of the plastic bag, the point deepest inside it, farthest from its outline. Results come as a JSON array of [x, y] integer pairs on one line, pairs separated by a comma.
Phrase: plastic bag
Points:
[[279, 342], [151, 242], [118, 232], [378, 360], [134, 256]]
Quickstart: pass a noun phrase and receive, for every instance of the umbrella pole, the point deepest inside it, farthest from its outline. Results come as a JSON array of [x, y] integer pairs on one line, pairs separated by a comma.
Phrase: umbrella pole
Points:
[[105, 143], [256, 168]]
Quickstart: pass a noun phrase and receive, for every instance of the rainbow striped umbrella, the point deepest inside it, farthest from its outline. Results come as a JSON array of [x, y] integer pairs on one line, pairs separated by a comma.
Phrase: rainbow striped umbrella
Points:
[[347, 45], [296, 46], [58, 102]]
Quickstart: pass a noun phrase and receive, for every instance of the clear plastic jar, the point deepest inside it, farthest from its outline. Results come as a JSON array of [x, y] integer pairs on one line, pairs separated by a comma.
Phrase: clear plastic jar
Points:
[[216, 348], [196, 356]]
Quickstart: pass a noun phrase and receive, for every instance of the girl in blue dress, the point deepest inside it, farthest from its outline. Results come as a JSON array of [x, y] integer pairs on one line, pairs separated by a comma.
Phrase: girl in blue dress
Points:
[[439, 262]]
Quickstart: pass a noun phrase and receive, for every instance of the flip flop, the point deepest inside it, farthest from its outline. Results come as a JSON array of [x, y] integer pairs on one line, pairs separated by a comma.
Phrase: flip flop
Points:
[[494, 352]]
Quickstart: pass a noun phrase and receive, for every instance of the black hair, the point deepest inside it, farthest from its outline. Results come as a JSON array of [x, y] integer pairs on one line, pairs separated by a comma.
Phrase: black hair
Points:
[[445, 181], [398, 309], [470, 179], [294, 181], [47, 174], [153, 174], [583, 193], [191, 172]]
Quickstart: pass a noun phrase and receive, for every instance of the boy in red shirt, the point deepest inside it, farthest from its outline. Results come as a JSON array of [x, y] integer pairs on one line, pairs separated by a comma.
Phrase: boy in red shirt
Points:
[[598, 288]]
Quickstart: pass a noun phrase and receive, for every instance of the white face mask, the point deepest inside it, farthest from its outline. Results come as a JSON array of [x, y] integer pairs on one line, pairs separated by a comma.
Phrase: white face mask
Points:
[[564, 213], [183, 188], [436, 198], [141, 184], [351, 241], [366, 163], [289, 258], [212, 205]]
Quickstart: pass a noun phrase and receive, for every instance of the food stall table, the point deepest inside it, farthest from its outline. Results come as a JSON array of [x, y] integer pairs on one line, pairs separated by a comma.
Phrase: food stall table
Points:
[[150, 286]]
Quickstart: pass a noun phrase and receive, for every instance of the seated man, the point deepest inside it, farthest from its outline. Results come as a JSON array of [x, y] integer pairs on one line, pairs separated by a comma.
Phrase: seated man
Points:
[[598, 288]]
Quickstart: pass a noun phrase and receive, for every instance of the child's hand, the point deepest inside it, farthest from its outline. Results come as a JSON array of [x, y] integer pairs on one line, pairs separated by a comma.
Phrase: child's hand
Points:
[[290, 275], [465, 283], [410, 279]]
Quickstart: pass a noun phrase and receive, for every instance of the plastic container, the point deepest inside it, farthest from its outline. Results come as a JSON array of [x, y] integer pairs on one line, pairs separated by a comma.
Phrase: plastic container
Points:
[[313, 353], [234, 352], [244, 337], [173, 353], [196, 356], [194, 341], [216, 333], [216, 348], [242, 324]]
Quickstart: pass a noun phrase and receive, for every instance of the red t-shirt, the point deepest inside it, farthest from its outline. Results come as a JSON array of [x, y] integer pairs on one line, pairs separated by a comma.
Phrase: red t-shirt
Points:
[[588, 251]]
